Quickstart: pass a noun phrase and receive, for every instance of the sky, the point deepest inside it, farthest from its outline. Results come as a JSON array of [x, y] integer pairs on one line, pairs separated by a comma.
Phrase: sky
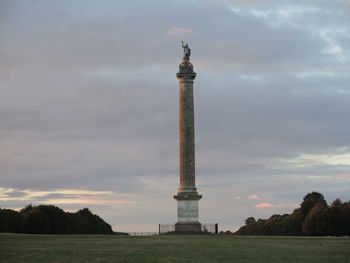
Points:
[[89, 106]]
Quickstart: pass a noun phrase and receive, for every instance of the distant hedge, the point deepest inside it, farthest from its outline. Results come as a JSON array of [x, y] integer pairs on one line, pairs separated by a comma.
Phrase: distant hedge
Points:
[[49, 219], [313, 217]]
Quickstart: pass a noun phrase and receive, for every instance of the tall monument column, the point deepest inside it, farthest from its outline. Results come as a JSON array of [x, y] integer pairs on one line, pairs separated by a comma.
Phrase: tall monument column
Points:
[[187, 196]]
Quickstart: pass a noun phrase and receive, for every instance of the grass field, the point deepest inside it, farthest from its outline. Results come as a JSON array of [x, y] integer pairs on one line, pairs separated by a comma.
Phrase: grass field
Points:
[[171, 248]]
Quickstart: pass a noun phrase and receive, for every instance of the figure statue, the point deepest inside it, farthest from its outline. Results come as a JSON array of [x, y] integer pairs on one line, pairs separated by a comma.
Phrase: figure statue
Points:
[[186, 67], [187, 51]]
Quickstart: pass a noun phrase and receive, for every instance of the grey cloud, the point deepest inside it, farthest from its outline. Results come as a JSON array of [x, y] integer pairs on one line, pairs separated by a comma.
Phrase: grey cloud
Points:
[[14, 194], [66, 40], [284, 111]]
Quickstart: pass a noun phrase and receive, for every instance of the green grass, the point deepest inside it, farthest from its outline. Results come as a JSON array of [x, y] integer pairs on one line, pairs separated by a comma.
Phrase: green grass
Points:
[[172, 248]]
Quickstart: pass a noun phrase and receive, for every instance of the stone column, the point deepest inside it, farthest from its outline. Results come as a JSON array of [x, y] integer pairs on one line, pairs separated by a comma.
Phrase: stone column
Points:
[[187, 196]]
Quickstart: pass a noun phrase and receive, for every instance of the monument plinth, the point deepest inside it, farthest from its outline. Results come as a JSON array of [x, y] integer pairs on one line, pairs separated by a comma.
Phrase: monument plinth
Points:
[[187, 196]]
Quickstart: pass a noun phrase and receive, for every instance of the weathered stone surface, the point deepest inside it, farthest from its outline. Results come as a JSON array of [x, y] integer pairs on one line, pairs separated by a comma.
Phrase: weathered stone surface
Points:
[[188, 227], [186, 130], [187, 211]]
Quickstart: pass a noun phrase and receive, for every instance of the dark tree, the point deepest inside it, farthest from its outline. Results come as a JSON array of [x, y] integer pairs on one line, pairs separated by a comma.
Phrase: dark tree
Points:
[[36, 222], [312, 222], [310, 200], [10, 221], [314, 217], [48, 219], [250, 221]]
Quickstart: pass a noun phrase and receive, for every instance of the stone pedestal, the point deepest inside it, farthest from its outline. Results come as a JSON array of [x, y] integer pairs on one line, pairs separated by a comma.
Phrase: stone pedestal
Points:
[[188, 227], [187, 213]]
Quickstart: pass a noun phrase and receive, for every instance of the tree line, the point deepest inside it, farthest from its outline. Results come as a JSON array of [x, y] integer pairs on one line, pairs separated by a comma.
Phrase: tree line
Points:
[[314, 217], [49, 219]]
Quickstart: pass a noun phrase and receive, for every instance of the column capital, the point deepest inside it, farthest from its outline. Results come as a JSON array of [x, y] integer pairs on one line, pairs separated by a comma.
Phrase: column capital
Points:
[[186, 76], [187, 196], [186, 68]]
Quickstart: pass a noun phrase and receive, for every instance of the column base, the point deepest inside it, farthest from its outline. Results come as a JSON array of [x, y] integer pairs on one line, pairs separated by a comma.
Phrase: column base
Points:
[[188, 227]]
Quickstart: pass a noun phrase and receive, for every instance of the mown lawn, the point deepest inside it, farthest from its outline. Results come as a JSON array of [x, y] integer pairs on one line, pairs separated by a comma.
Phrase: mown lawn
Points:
[[172, 248]]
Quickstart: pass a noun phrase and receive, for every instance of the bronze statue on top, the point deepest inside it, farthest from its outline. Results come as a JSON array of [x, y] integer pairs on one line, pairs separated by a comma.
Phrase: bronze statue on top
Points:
[[187, 51], [186, 67]]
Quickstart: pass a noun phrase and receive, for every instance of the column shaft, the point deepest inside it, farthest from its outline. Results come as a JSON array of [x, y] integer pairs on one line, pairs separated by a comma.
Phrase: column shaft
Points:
[[186, 132]]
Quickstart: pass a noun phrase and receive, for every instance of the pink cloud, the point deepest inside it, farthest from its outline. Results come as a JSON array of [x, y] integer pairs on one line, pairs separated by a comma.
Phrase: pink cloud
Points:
[[262, 205], [88, 201], [265, 205], [253, 197], [177, 31]]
